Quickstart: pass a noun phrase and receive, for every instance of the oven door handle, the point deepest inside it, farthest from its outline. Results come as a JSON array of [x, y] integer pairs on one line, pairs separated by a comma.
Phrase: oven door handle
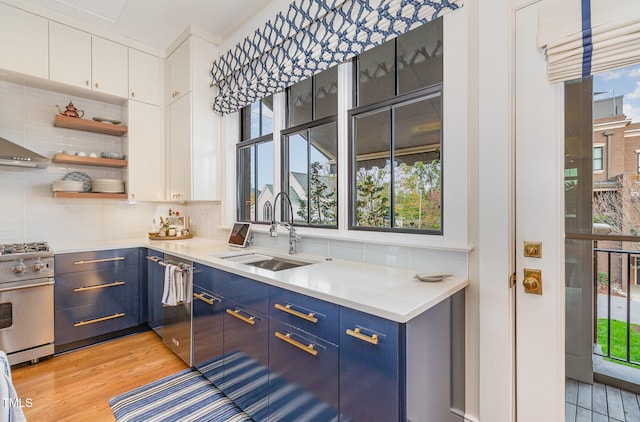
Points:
[[97, 261], [6, 287]]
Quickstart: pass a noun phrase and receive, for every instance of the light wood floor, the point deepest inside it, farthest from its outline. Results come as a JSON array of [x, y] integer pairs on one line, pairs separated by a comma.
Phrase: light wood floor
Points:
[[77, 386]]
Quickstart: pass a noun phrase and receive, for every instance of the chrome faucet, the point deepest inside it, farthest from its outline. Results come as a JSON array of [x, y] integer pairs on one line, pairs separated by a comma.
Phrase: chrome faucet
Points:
[[294, 237]]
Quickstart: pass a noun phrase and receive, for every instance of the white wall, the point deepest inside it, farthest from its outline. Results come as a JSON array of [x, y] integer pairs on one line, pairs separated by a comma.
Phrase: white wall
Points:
[[29, 210]]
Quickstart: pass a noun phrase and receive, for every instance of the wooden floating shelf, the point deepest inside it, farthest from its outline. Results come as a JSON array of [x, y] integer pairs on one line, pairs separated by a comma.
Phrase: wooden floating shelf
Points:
[[91, 195], [89, 125], [89, 161]]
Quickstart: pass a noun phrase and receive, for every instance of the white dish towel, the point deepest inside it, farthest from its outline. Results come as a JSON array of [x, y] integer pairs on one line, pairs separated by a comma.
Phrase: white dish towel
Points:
[[177, 285]]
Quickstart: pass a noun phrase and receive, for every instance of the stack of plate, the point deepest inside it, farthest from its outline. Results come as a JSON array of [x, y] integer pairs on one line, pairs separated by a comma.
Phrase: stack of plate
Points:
[[67, 186], [107, 185]]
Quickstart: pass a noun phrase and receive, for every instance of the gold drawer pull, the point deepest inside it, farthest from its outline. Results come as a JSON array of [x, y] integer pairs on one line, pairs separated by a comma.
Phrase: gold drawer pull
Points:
[[93, 321], [287, 309], [357, 334], [98, 286], [251, 320], [287, 337], [202, 297], [95, 261]]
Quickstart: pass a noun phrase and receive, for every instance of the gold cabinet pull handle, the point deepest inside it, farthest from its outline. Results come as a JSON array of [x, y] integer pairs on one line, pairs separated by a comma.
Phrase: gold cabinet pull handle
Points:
[[373, 339], [287, 308], [98, 286], [93, 321], [95, 261], [154, 258], [205, 299], [250, 320], [287, 338]]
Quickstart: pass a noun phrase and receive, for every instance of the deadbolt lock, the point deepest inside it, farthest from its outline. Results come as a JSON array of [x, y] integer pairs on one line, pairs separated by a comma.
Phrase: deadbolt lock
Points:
[[532, 281], [532, 249]]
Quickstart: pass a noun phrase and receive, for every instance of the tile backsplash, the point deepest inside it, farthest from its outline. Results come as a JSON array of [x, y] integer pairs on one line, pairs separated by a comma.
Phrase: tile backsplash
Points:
[[29, 210]]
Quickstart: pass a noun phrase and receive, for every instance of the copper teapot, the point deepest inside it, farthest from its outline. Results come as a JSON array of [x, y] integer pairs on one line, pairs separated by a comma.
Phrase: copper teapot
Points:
[[70, 111]]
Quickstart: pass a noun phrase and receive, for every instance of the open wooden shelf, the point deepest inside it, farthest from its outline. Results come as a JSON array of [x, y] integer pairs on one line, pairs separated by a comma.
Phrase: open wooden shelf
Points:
[[89, 125], [90, 195], [89, 161]]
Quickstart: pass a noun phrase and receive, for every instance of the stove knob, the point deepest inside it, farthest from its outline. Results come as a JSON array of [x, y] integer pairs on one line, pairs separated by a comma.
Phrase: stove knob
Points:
[[38, 266], [19, 268]]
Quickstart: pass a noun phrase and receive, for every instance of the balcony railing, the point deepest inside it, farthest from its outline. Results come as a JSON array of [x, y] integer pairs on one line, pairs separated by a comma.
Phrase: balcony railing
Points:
[[617, 303]]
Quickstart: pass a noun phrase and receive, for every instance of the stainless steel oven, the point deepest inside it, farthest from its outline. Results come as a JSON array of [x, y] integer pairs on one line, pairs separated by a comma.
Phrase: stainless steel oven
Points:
[[26, 301]]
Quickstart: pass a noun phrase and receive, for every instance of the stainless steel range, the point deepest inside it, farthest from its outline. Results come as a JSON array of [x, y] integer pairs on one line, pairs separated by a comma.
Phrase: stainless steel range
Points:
[[26, 301]]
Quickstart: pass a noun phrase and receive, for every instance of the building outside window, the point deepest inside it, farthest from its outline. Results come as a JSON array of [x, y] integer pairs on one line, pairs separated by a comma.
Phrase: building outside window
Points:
[[396, 136], [597, 159], [255, 170]]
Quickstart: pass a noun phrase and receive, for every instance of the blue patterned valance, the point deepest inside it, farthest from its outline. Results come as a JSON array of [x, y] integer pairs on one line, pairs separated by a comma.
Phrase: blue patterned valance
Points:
[[310, 37]]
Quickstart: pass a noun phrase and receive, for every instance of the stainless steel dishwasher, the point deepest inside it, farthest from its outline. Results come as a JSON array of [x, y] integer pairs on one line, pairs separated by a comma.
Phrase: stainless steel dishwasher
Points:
[[176, 320]]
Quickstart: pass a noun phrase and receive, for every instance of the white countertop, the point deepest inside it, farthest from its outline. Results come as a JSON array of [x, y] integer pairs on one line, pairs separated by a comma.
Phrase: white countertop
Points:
[[387, 292]]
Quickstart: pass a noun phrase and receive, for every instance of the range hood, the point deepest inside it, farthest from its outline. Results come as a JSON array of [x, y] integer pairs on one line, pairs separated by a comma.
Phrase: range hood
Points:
[[14, 155]]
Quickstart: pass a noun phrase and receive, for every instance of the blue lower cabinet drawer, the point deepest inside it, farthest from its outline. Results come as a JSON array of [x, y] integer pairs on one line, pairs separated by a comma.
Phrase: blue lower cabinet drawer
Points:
[[312, 315], [251, 293], [96, 260], [245, 376], [87, 287], [81, 322], [303, 375]]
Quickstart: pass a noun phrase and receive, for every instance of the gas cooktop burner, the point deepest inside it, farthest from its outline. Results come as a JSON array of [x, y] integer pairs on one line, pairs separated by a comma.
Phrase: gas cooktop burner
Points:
[[23, 248]]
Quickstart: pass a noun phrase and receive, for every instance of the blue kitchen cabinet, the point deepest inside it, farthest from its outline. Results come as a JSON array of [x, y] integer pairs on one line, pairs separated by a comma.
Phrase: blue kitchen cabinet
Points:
[[246, 359], [371, 374], [414, 371], [207, 323], [96, 294], [309, 314], [303, 375], [155, 286]]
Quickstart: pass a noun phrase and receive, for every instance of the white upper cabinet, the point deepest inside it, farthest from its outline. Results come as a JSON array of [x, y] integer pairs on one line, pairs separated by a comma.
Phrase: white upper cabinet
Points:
[[69, 55], [24, 46], [144, 146], [193, 141], [179, 149], [79, 59], [145, 77], [179, 72], [109, 67]]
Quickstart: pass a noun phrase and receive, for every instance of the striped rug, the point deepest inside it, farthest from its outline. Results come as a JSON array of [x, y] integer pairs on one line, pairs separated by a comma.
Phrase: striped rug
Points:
[[185, 396]]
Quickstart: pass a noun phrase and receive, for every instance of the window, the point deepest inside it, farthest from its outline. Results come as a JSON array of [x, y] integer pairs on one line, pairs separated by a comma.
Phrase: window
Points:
[[597, 158], [395, 144], [255, 170], [310, 150]]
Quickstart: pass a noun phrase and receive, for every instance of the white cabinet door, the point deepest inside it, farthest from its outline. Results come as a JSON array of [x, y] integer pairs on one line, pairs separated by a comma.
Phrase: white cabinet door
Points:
[[145, 77], [179, 149], [178, 72], [24, 48], [109, 67], [69, 55], [144, 147]]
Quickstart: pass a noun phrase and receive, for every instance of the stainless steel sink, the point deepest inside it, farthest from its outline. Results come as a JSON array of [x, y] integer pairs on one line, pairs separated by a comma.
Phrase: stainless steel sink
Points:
[[272, 263], [278, 264]]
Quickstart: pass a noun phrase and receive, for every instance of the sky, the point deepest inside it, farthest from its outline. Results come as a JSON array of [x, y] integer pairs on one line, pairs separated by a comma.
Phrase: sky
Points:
[[625, 81]]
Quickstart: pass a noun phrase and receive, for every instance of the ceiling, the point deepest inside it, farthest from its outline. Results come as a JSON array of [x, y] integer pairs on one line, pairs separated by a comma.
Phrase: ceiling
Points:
[[157, 23]]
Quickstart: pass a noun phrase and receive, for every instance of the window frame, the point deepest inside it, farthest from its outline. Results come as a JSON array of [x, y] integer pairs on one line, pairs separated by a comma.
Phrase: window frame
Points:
[[284, 149], [601, 158], [284, 167], [391, 103]]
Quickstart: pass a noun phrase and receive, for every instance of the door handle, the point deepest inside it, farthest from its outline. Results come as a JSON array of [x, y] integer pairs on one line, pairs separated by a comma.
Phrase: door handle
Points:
[[532, 281]]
